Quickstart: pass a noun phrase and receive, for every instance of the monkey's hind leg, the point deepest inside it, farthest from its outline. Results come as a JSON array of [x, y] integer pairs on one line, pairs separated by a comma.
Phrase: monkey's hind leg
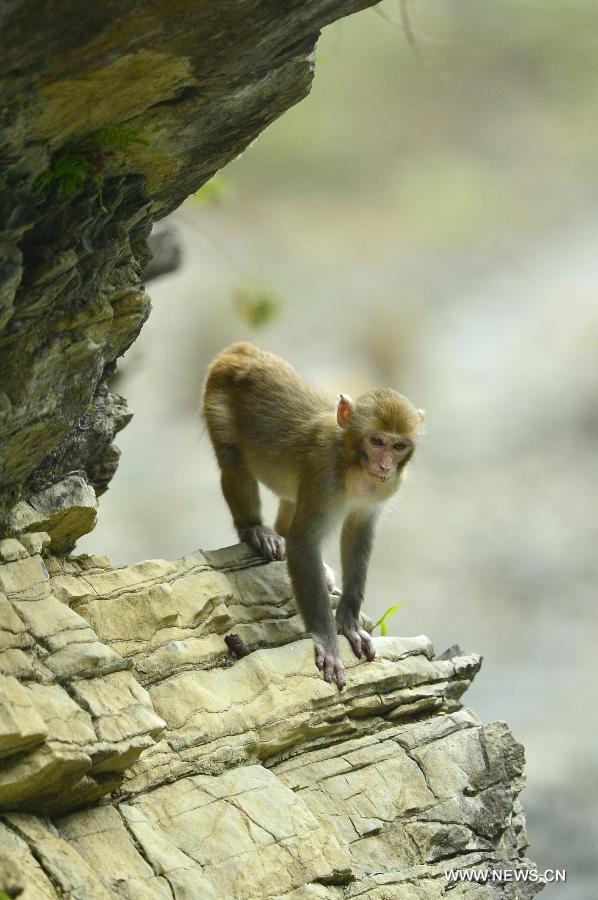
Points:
[[284, 520], [330, 579], [241, 492]]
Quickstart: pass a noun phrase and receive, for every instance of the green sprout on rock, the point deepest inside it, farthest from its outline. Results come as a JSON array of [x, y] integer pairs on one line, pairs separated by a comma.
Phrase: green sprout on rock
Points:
[[68, 172], [79, 160], [382, 620]]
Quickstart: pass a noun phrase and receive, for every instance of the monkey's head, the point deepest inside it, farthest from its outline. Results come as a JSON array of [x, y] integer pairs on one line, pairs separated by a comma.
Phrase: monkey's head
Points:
[[380, 430]]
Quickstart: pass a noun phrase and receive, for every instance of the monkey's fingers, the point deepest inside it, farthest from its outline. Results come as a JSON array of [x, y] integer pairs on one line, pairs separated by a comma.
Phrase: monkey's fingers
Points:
[[361, 643], [339, 673], [254, 538], [268, 544], [329, 669], [281, 549], [263, 540], [354, 640], [320, 656], [367, 645], [332, 666], [268, 548], [334, 671]]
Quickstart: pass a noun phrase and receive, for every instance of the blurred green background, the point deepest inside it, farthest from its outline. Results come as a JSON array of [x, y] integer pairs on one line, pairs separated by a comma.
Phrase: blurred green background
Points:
[[427, 222]]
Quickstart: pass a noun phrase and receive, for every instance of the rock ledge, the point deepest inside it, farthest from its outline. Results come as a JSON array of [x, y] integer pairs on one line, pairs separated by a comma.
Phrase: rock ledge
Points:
[[231, 778]]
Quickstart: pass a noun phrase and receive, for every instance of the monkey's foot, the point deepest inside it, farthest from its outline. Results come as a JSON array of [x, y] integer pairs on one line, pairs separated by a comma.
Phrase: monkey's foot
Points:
[[330, 578], [264, 541], [360, 640], [330, 663]]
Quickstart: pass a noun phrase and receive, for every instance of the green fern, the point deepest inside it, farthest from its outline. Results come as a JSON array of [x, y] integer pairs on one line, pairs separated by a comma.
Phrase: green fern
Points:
[[70, 169], [121, 137], [68, 172]]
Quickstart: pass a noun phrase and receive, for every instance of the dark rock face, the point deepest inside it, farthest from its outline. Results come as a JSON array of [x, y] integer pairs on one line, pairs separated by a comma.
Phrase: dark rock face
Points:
[[112, 114], [88, 447], [79, 305]]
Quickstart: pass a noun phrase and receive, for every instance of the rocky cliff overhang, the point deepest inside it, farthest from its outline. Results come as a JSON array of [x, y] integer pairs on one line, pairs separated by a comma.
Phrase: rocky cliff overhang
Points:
[[112, 114]]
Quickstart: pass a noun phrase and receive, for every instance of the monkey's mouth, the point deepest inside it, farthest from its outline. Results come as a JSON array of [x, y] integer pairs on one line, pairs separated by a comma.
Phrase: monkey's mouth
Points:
[[380, 477]]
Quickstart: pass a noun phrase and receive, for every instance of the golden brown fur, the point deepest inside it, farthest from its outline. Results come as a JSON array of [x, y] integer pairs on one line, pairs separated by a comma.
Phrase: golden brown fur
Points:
[[324, 461]]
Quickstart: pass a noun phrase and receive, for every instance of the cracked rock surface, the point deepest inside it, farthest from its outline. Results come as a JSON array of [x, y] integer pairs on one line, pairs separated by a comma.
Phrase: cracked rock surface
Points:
[[138, 758]]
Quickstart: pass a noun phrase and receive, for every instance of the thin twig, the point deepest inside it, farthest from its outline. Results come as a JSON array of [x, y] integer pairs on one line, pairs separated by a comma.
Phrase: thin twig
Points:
[[417, 32], [220, 246], [409, 35]]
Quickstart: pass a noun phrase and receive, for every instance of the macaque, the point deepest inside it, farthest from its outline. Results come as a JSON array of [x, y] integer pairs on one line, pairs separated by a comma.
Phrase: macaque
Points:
[[327, 464]]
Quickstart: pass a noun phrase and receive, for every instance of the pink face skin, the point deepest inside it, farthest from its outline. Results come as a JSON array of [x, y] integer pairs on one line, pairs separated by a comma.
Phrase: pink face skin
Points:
[[382, 453]]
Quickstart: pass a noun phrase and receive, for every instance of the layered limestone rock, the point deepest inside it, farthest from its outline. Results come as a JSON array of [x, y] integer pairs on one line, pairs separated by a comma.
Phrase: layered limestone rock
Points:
[[223, 777], [72, 715], [111, 115]]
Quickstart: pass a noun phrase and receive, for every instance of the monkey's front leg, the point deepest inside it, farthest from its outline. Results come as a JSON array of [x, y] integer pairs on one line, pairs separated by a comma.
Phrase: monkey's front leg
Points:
[[242, 495], [356, 546], [307, 574], [284, 520]]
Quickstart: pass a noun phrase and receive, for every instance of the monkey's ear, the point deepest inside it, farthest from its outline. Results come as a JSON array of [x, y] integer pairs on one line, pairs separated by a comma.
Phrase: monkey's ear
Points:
[[422, 416], [344, 409]]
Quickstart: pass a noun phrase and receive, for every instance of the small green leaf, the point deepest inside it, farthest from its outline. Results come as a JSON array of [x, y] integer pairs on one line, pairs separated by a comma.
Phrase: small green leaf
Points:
[[215, 191], [255, 304], [382, 620]]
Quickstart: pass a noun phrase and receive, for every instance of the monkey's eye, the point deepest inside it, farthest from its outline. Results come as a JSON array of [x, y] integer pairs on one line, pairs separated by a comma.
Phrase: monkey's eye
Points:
[[376, 441], [400, 446]]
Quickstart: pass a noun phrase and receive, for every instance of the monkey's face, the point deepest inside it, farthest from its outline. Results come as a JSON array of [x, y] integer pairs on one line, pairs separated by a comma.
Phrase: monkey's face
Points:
[[379, 437], [383, 454]]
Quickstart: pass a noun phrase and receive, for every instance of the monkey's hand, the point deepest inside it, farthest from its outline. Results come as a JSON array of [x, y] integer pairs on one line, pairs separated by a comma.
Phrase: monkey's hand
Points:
[[265, 542], [360, 640], [329, 661]]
